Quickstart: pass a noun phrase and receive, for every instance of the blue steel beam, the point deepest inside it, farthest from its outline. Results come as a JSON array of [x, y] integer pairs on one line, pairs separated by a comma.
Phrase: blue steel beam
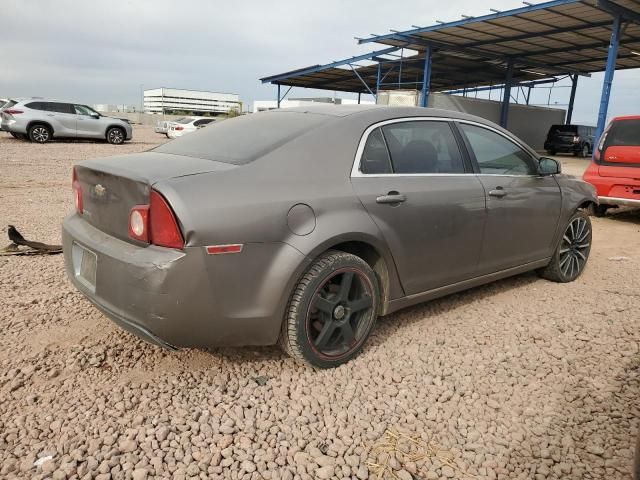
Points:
[[458, 23], [426, 77], [363, 82], [504, 112], [608, 76], [318, 68], [484, 89]]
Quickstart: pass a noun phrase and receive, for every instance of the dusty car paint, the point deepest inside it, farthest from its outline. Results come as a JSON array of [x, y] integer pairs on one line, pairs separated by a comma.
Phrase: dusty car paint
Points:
[[189, 298]]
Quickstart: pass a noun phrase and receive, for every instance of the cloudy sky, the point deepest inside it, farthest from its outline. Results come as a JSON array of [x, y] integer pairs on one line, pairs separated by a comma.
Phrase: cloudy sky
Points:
[[105, 52]]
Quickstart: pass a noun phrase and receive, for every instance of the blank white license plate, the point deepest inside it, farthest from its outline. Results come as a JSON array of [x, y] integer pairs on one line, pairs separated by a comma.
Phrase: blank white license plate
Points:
[[85, 263]]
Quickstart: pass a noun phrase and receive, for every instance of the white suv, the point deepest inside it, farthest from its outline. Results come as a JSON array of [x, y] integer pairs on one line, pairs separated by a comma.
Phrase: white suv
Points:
[[42, 120]]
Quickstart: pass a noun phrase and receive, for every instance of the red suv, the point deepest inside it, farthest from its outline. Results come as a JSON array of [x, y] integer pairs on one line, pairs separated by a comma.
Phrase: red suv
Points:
[[615, 169]]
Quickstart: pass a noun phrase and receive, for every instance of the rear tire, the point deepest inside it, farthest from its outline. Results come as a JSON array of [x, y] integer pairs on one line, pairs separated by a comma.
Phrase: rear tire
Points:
[[39, 133], [571, 256], [19, 136], [332, 310], [585, 151], [116, 136]]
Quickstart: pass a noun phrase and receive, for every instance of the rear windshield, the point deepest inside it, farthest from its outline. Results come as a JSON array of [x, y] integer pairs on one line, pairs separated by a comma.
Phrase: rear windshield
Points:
[[184, 120], [624, 132], [242, 139], [563, 130], [9, 104]]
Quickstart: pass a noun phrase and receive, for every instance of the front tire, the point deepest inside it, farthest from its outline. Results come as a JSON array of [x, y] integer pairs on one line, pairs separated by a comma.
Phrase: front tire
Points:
[[115, 136], [39, 133], [332, 310], [571, 256]]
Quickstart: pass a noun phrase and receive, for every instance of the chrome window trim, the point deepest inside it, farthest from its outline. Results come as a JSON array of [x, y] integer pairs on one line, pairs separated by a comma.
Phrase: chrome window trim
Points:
[[355, 168]]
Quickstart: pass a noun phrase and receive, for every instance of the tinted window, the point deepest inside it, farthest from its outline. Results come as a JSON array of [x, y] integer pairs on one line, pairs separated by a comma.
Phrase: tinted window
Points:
[[562, 130], [34, 105], [375, 156], [9, 104], [423, 147], [205, 121], [495, 154], [624, 132], [58, 107], [242, 139]]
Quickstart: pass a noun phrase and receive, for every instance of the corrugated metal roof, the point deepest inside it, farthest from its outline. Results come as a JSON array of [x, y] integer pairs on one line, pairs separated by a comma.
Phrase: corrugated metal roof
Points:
[[550, 39]]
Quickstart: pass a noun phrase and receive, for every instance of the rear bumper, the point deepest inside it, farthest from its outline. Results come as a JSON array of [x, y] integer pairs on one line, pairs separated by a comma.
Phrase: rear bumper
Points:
[[621, 191], [186, 298]]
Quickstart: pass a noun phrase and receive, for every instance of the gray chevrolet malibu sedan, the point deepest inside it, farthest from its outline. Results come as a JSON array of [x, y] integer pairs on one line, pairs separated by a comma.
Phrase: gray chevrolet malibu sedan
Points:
[[302, 226]]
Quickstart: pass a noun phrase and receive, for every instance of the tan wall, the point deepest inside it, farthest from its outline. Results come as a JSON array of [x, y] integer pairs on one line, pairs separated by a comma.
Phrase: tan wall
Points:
[[530, 124]]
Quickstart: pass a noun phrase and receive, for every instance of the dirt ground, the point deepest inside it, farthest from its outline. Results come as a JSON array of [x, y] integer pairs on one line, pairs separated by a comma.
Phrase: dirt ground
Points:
[[520, 379]]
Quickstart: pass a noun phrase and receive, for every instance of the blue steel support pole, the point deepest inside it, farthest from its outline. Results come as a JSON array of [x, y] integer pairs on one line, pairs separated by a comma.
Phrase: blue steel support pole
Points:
[[378, 80], [278, 96], [426, 77], [504, 112], [359, 98], [608, 77], [572, 97]]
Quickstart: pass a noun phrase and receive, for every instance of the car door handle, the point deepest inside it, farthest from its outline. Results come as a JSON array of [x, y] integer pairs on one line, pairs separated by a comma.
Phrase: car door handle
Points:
[[498, 192], [391, 198]]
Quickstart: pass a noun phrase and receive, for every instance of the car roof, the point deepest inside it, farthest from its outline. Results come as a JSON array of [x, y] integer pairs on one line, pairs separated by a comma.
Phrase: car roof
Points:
[[626, 117], [378, 112]]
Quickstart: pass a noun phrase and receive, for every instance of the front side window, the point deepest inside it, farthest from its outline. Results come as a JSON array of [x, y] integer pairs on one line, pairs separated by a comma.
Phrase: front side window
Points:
[[375, 156], [495, 154], [83, 110], [423, 147]]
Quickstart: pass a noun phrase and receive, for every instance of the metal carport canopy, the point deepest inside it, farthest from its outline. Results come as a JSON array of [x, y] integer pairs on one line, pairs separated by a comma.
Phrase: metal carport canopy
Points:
[[550, 39]]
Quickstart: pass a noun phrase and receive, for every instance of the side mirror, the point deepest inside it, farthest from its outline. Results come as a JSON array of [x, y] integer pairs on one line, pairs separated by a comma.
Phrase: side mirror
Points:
[[95, 115], [549, 166]]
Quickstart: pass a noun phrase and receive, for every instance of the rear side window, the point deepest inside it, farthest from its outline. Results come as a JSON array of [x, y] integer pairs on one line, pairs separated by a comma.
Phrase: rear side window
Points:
[[204, 121], [243, 139], [34, 105], [58, 107], [375, 156], [423, 147], [624, 133], [495, 154]]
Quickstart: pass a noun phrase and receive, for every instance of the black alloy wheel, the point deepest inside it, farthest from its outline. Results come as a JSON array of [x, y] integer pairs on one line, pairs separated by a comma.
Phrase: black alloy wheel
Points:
[[332, 310]]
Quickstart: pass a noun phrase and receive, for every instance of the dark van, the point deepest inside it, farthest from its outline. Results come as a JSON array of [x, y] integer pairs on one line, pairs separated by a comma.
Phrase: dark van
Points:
[[576, 139]]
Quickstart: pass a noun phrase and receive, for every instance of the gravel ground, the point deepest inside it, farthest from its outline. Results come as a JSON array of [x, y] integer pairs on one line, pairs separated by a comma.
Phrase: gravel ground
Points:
[[521, 379]]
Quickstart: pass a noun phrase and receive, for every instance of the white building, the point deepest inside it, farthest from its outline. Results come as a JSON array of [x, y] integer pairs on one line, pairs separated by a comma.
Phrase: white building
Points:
[[264, 105], [193, 102]]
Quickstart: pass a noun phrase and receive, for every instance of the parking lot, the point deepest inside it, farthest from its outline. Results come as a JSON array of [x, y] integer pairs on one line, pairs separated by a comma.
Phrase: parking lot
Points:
[[520, 379]]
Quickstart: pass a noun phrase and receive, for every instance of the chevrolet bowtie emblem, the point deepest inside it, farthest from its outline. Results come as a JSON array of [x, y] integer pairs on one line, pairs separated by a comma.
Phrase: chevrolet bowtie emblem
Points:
[[100, 190]]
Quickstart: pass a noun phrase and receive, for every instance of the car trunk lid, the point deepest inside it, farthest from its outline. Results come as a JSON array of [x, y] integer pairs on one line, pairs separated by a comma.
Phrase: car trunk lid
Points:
[[111, 187]]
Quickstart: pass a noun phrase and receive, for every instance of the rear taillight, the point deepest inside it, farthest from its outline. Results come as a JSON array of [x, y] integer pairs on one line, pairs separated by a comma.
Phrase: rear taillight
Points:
[[12, 111], [576, 139], [155, 223], [179, 128], [77, 192]]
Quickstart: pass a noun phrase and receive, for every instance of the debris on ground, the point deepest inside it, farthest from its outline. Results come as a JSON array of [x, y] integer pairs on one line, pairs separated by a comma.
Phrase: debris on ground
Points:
[[21, 246]]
